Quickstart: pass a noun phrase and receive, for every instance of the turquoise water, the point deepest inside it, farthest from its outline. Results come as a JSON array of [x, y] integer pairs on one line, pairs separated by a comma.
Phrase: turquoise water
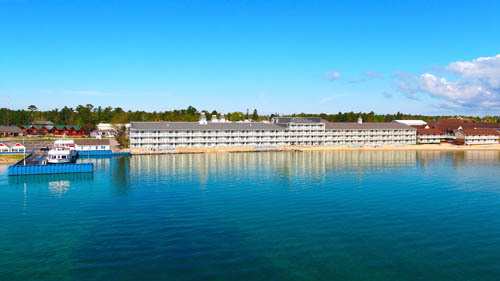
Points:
[[262, 216]]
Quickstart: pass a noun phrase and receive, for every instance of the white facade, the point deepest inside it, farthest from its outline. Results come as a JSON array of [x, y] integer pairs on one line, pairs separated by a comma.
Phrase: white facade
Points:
[[282, 132], [92, 147], [92, 144], [471, 139], [430, 135], [430, 138]]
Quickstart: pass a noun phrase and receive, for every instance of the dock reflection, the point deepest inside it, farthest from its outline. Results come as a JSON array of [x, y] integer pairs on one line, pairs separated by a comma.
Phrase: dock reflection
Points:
[[74, 177]]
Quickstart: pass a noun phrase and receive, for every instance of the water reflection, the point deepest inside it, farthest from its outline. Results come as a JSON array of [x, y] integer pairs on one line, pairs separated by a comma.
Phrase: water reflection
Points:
[[293, 164], [282, 165], [76, 177], [458, 158], [120, 174], [59, 187], [57, 184]]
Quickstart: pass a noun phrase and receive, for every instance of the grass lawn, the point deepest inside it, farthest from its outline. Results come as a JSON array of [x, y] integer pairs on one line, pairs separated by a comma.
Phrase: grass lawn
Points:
[[10, 158]]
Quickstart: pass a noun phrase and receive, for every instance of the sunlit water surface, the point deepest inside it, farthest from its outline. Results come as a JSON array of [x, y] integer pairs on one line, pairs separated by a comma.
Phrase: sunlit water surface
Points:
[[265, 216]]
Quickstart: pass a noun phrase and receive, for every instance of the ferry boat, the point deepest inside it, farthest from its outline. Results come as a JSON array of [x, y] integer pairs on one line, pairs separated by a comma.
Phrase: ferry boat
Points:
[[63, 152]]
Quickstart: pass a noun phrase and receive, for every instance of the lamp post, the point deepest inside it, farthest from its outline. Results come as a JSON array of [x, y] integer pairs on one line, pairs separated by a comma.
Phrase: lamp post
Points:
[[24, 154]]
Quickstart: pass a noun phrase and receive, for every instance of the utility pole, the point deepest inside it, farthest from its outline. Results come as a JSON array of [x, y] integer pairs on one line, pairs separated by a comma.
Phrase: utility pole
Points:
[[24, 154]]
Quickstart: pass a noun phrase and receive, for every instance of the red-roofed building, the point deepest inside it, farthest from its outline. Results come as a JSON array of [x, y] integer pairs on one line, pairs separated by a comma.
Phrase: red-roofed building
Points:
[[10, 146], [477, 136], [56, 130], [4, 148], [426, 134]]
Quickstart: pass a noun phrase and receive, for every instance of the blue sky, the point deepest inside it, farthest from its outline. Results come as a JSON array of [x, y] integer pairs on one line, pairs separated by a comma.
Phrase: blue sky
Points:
[[276, 56]]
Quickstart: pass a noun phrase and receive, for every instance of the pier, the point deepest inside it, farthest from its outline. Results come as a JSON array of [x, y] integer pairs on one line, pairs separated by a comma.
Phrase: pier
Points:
[[35, 164]]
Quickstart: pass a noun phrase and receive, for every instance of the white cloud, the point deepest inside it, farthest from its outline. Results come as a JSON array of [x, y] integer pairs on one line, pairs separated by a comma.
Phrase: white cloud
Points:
[[486, 70], [476, 84], [332, 76]]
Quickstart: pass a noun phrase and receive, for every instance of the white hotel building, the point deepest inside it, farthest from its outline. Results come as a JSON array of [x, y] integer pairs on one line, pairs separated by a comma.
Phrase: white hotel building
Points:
[[282, 131]]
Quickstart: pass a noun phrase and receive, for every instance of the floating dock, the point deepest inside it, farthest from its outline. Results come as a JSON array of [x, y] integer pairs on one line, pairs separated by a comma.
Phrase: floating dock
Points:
[[33, 164], [20, 170]]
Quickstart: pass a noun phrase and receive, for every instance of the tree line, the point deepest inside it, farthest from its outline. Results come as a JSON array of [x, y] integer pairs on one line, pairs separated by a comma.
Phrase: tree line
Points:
[[372, 117], [90, 115]]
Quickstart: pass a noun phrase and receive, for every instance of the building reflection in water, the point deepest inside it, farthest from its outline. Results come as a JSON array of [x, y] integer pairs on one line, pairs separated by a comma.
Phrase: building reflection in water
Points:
[[117, 169], [458, 158], [280, 165], [120, 174], [296, 164]]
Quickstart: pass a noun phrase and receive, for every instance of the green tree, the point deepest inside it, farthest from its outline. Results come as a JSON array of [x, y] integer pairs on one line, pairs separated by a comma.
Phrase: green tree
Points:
[[121, 137], [255, 115], [32, 108]]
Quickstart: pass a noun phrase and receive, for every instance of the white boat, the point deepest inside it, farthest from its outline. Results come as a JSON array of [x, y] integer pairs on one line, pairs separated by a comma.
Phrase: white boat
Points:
[[63, 152]]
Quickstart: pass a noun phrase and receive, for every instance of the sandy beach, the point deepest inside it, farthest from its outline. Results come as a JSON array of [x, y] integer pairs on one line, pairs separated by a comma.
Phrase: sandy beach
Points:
[[422, 147]]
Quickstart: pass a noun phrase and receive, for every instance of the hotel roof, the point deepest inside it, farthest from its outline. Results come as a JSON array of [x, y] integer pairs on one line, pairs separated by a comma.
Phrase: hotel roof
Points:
[[479, 132], [365, 126], [262, 126], [10, 129], [200, 127], [429, 131], [488, 125], [286, 120]]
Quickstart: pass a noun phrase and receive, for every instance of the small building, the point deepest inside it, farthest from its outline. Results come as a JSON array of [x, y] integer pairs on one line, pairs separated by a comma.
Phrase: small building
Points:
[[108, 126], [104, 133], [55, 130], [411, 122], [427, 134], [4, 147], [477, 136], [92, 144], [10, 131], [12, 146], [59, 130]]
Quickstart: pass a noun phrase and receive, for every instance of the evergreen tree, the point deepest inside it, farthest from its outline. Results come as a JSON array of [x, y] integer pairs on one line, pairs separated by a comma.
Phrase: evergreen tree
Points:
[[32, 108], [255, 116]]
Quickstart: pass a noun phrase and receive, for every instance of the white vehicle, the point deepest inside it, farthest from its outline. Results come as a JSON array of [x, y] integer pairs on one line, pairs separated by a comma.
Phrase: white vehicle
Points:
[[63, 152]]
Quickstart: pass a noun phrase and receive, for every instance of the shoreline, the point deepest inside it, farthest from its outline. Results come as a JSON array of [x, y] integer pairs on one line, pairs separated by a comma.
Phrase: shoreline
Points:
[[420, 147]]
